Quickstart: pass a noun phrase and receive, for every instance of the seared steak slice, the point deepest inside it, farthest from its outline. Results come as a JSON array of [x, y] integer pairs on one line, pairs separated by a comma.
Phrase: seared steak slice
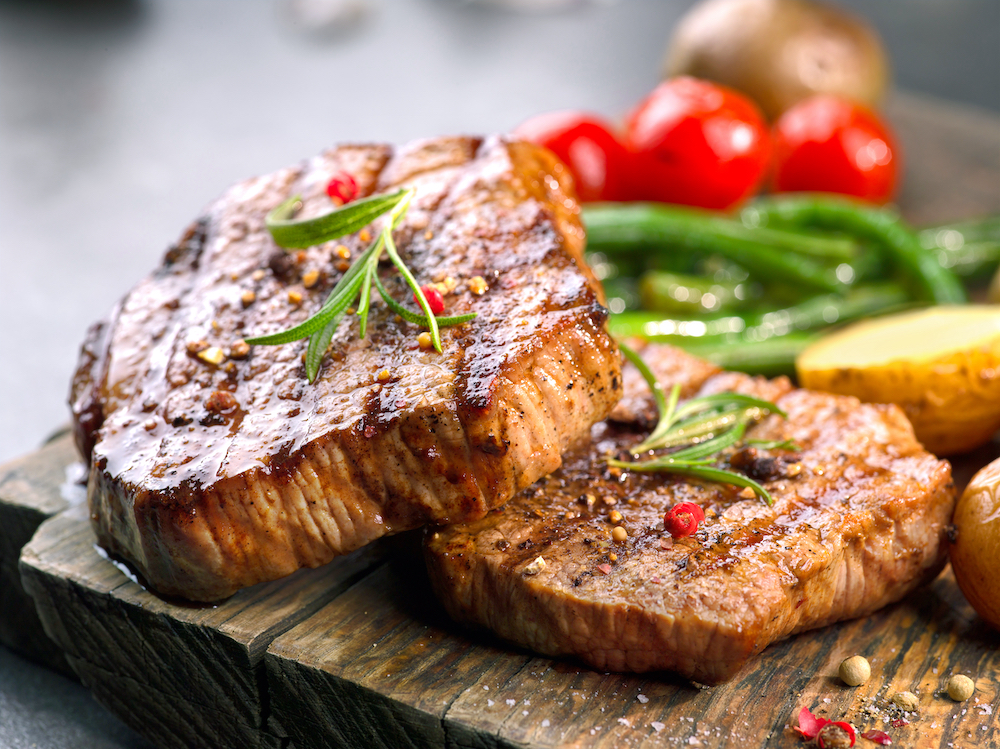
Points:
[[858, 521], [213, 470]]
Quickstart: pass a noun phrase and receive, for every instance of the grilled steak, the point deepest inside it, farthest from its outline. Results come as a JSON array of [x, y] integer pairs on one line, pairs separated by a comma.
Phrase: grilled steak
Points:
[[213, 468], [858, 521]]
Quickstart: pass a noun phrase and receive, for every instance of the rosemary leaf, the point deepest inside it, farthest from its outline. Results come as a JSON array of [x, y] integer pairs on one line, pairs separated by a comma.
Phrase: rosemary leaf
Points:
[[666, 423], [430, 319], [696, 470], [413, 317], [315, 323], [337, 223], [714, 445], [364, 304], [692, 430], [395, 306], [707, 425], [358, 279], [652, 382], [775, 445], [339, 299], [318, 343], [704, 402]]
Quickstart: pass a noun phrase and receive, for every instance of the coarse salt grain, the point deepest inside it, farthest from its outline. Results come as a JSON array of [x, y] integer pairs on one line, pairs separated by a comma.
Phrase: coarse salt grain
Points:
[[643, 699]]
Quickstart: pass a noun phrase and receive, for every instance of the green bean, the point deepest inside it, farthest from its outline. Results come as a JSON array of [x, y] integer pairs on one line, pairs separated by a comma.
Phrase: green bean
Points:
[[607, 269], [971, 249], [931, 282], [812, 314], [656, 327], [640, 226], [771, 358], [821, 245], [679, 293], [871, 264], [622, 294], [826, 309], [976, 260], [986, 229]]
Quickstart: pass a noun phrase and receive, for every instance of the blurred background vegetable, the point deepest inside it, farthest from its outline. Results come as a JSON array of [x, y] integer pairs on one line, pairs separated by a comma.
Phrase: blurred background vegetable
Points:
[[830, 144], [779, 52], [752, 291], [940, 365], [697, 143], [587, 144]]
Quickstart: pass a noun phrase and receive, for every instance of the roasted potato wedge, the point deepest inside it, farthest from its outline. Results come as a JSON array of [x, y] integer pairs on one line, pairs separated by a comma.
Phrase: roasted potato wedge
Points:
[[941, 365]]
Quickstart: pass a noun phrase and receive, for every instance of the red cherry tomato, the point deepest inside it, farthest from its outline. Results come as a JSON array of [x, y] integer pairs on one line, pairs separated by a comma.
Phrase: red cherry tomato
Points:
[[829, 144], [697, 143], [588, 146]]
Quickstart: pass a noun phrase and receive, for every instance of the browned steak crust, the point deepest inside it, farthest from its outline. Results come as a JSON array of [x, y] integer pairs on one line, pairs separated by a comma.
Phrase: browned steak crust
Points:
[[858, 521], [212, 477]]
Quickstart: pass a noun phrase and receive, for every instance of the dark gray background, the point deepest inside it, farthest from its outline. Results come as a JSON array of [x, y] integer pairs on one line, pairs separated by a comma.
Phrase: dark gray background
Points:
[[120, 119]]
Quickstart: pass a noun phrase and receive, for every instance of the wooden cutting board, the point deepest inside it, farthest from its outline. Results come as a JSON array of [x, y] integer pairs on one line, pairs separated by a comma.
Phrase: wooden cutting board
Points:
[[359, 654], [32, 489]]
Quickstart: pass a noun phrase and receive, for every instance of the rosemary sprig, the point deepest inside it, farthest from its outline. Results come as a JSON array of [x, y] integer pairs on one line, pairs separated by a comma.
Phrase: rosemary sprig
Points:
[[347, 219], [701, 427], [356, 283]]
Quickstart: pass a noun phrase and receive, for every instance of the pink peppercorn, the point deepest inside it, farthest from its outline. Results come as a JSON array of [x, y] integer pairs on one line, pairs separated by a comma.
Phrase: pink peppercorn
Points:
[[434, 299], [682, 519], [342, 188]]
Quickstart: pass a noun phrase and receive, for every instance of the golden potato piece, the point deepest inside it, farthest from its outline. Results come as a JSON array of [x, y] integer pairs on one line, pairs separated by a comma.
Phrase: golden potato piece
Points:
[[941, 365], [975, 553]]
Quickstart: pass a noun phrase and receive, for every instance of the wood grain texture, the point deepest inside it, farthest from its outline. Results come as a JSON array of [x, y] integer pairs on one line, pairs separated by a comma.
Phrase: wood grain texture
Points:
[[32, 489], [951, 159], [182, 676], [381, 666]]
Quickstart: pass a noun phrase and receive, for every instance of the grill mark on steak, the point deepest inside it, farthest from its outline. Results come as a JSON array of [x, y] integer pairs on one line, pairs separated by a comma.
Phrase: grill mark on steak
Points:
[[858, 524], [210, 478]]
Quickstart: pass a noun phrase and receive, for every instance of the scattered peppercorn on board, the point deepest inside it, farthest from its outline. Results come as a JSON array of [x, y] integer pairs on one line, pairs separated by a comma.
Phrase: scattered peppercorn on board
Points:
[[358, 654]]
